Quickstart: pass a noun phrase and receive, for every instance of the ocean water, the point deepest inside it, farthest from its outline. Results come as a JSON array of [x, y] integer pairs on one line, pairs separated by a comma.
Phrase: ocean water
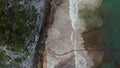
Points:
[[110, 11]]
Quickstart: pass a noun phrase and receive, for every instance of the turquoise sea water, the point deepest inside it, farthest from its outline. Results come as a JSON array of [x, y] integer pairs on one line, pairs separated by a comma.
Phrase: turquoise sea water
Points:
[[110, 9]]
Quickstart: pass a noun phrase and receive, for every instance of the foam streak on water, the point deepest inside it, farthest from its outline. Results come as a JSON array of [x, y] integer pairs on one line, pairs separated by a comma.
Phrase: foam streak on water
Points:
[[79, 9]]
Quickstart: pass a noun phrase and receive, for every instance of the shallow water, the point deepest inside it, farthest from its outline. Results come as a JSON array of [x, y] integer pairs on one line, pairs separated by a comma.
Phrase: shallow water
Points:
[[110, 10]]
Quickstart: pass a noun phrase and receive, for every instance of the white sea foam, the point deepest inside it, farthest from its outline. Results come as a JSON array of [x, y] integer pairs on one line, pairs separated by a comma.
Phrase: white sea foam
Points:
[[79, 9]]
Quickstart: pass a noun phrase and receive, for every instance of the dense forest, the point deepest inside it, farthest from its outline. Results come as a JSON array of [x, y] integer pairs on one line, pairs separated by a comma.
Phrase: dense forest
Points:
[[17, 29]]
